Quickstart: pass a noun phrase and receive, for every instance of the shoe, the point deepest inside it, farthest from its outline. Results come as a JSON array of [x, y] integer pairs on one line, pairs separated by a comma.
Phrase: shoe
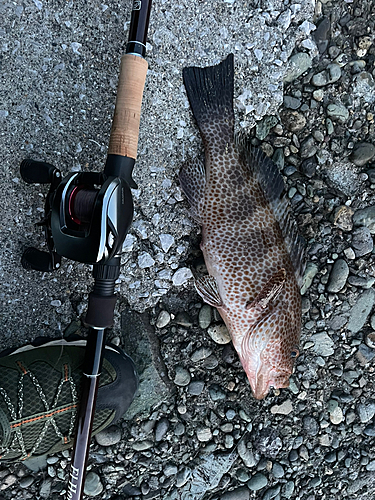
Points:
[[39, 391]]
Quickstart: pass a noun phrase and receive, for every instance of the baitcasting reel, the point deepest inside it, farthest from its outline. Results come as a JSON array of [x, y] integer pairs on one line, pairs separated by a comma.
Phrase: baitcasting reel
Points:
[[87, 216]]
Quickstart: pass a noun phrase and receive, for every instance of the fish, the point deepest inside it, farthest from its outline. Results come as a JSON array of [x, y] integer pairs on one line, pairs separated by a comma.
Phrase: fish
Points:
[[251, 245]]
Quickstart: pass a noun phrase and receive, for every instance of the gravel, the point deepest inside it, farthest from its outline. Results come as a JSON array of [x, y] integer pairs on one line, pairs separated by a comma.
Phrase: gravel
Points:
[[304, 90]]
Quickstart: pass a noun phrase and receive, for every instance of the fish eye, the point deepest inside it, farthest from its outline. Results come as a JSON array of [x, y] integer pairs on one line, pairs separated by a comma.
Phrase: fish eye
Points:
[[294, 353]]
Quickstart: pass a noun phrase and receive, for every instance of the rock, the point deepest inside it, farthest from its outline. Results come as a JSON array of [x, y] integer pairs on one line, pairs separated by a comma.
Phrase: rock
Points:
[[142, 445], [26, 482], [166, 241], [343, 218], [219, 334], [268, 442], [200, 354], [196, 387], [323, 344], [298, 64], [170, 470], [246, 454], [204, 434], [181, 276], [182, 377], [182, 477], [308, 147], [264, 126], [365, 354], [271, 493], [344, 176], [361, 310], [46, 486], [362, 241], [365, 217], [366, 411], [294, 121], [362, 153], [338, 112], [163, 319], [205, 316], [278, 470], [93, 486], [330, 75], [308, 167], [284, 409], [336, 416], [109, 436], [310, 426], [216, 393], [145, 260], [161, 429], [338, 276], [257, 482], [291, 102], [321, 34], [288, 489], [309, 274], [237, 494]]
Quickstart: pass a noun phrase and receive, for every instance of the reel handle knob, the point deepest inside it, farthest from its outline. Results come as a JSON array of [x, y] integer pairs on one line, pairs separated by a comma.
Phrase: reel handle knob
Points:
[[38, 172], [38, 260]]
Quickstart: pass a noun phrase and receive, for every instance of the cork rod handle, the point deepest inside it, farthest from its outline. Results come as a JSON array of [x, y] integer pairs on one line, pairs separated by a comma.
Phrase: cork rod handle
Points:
[[125, 126]]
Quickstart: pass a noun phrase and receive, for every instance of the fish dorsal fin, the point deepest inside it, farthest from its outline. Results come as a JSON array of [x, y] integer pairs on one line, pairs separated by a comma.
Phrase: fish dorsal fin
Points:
[[269, 292], [193, 183], [272, 184], [208, 290]]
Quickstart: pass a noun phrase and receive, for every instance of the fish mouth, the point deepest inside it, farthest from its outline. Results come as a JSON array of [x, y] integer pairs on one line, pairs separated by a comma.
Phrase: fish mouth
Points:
[[262, 381]]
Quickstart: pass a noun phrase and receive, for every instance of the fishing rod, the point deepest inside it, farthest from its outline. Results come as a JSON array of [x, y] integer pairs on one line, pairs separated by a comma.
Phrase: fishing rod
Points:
[[87, 217]]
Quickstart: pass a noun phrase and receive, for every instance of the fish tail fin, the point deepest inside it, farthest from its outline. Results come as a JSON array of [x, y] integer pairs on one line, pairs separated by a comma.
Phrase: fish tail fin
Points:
[[210, 93]]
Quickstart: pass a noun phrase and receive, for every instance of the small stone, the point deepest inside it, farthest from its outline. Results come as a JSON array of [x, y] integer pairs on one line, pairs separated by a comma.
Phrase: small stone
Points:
[[288, 489], [246, 454], [318, 95], [182, 377], [362, 241], [323, 344], [200, 354], [205, 316], [166, 241], [338, 112], [308, 167], [237, 494], [145, 260], [336, 416], [9, 480], [26, 482], [365, 217], [284, 409], [142, 445], [181, 276], [170, 470], [278, 470], [93, 486], [321, 34], [163, 319], [338, 276], [343, 217], [297, 65], [263, 127], [311, 426], [196, 387], [257, 482], [362, 153], [361, 310], [182, 477], [308, 147], [291, 102], [330, 75], [271, 493], [216, 393], [204, 434], [45, 488], [366, 411], [309, 274], [294, 121], [109, 436], [161, 429], [219, 334]]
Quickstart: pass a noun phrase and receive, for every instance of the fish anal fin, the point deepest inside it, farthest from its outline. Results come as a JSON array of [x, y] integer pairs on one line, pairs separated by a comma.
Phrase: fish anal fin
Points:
[[269, 292], [208, 290], [193, 183]]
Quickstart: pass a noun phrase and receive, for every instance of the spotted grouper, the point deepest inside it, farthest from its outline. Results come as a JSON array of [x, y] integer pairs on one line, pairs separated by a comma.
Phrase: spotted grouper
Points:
[[250, 242]]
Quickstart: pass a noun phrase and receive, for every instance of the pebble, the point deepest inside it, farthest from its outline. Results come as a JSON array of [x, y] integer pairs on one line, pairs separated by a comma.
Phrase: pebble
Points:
[[310, 426], [308, 167], [284, 409], [271, 493], [294, 121], [362, 153], [182, 377], [343, 217], [366, 411], [321, 34], [349, 253], [181, 276], [142, 445], [200, 354], [338, 276], [336, 416], [219, 334], [278, 470], [26, 481], [361, 310], [298, 64], [45, 488], [308, 147], [205, 316], [263, 127], [163, 320], [291, 102], [170, 470], [365, 217], [362, 241], [166, 241], [93, 486], [323, 344], [145, 260], [182, 477], [216, 393], [288, 489], [196, 387], [161, 429], [257, 482], [204, 434], [109, 436], [309, 274], [338, 112], [8, 481], [237, 494], [328, 76], [246, 454]]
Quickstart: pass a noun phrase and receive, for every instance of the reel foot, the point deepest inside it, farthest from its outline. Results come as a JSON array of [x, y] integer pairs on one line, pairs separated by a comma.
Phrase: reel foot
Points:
[[38, 260]]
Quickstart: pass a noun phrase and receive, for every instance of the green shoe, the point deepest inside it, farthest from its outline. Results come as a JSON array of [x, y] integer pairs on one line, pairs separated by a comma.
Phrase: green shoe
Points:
[[39, 391]]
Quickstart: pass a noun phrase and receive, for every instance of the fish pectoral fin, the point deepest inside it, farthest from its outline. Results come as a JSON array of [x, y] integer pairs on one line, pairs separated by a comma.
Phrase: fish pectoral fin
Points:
[[208, 290], [193, 183], [270, 291]]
